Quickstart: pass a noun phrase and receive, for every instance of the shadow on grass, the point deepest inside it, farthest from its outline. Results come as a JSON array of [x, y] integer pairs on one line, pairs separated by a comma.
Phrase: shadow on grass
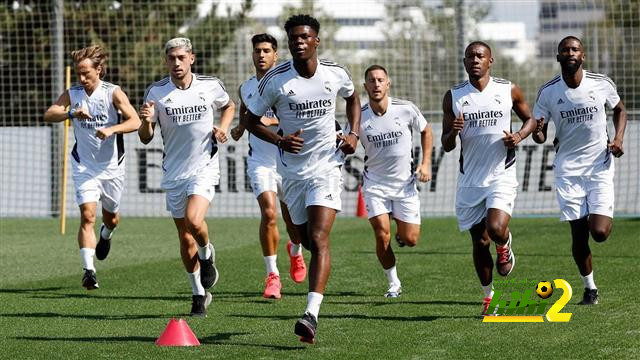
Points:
[[357, 317], [254, 294], [90, 316], [34, 290], [521, 254], [396, 302], [93, 295]]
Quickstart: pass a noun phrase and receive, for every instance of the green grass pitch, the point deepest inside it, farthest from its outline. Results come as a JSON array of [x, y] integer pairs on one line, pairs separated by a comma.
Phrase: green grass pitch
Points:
[[45, 313]]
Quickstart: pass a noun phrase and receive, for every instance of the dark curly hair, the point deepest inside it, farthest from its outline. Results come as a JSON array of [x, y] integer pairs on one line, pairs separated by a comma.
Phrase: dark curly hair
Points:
[[305, 20]]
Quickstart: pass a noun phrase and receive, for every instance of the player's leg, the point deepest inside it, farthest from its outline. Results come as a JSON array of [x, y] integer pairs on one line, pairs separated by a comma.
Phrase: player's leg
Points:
[[195, 212], [381, 225], [87, 244], [482, 261], [600, 200], [406, 212], [297, 267], [269, 239], [500, 201], [111, 193]]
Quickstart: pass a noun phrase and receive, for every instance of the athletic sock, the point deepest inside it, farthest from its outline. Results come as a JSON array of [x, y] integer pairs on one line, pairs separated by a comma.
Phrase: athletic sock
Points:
[[314, 300], [204, 252], [194, 280], [106, 233], [270, 263], [488, 290], [392, 276], [588, 281], [87, 258], [296, 249]]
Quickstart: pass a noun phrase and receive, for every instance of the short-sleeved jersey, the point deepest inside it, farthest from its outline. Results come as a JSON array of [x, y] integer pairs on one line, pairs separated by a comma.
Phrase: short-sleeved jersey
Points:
[[102, 159], [307, 104], [260, 152], [581, 122], [387, 142], [483, 157], [185, 117]]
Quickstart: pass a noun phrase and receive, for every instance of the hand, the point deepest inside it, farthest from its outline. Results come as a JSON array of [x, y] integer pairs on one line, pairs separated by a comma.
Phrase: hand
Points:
[[423, 173], [81, 113], [219, 135], [104, 133], [349, 143], [616, 147], [539, 125], [458, 123], [511, 140], [236, 133], [291, 143], [147, 111]]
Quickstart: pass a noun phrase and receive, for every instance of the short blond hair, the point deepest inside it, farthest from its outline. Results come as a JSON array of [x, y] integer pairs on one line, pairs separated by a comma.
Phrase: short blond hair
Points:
[[179, 42], [95, 53]]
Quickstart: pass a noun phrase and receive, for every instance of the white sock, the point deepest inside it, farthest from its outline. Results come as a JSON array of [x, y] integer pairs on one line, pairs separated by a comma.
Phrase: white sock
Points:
[[588, 281], [392, 276], [488, 290], [87, 258], [194, 280], [204, 252], [314, 300], [296, 249], [270, 263], [106, 232]]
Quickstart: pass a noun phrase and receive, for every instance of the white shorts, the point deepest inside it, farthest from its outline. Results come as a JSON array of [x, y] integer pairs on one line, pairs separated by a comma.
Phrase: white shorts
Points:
[[265, 178], [107, 191], [403, 204], [203, 184], [579, 196], [473, 203], [323, 190]]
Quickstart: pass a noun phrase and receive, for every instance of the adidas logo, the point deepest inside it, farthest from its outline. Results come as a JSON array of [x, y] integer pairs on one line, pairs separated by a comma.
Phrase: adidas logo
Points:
[[168, 101], [249, 97], [465, 103], [369, 127], [560, 102], [329, 197], [291, 93]]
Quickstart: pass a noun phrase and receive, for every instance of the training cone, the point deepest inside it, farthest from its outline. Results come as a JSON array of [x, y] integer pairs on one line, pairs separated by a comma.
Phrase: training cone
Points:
[[177, 333], [361, 211]]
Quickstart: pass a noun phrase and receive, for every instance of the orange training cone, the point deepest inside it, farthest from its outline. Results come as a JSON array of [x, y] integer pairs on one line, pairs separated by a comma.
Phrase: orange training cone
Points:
[[177, 333], [362, 208]]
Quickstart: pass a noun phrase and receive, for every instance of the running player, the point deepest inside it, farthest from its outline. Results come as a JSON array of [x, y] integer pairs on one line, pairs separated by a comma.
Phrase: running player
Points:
[[183, 104], [98, 157], [479, 111], [386, 129], [302, 93], [265, 180], [575, 101]]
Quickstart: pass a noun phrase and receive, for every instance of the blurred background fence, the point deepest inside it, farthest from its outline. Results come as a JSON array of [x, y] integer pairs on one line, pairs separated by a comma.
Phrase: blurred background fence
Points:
[[420, 43]]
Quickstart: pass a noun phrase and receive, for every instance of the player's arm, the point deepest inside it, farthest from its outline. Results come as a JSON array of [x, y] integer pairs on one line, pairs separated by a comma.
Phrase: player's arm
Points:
[[238, 130], [451, 126], [426, 140], [523, 111], [350, 141], [290, 143], [620, 124], [58, 111], [148, 122], [131, 120], [226, 117]]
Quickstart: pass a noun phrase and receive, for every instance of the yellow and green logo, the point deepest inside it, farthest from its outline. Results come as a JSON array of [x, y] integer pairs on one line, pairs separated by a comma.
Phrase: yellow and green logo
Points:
[[522, 308]]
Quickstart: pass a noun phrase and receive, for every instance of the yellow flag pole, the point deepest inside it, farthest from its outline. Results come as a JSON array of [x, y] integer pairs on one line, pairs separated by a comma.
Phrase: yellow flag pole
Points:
[[65, 157]]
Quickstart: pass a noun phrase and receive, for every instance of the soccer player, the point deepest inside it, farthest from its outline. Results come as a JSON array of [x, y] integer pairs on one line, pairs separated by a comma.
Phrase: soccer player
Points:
[[183, 105], [583, 167], [302, 93], [98, 155], [479, 112], [386, 128], [265, 180]]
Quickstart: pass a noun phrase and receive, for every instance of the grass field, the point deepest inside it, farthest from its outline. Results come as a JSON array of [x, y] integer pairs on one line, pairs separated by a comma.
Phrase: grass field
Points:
[[45, 313]]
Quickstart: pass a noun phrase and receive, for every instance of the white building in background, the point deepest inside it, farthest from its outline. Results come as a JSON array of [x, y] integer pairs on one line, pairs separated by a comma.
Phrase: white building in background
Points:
[[510, 39]]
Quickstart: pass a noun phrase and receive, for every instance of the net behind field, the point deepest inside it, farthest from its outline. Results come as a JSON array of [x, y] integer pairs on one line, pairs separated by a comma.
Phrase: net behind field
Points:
[[421, 46]]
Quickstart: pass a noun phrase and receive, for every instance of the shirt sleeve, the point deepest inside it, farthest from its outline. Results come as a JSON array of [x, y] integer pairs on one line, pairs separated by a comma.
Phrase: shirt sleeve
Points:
[[540, 109], [610, 92], [220, 96], [265, 99], [346, 86], [418, 122]]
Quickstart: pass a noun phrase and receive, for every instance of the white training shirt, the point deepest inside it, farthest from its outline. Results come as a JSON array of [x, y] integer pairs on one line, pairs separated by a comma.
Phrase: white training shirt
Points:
[[102, 159], [483, 157], [307, 104], [261, 152], [387, 142], [581, 122], [185, 118]]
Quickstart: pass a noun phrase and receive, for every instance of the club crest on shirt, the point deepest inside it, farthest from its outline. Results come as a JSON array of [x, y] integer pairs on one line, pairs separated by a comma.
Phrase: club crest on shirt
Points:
[[397, 121], [327, 87], [202, 98], [498, 99]]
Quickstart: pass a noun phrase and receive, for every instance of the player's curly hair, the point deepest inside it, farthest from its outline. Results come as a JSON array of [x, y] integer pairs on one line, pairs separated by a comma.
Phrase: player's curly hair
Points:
[[305, 20], [95, 53]]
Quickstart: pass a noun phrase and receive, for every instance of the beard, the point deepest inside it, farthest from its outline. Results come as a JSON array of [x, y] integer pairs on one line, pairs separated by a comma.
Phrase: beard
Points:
[[572, 67]]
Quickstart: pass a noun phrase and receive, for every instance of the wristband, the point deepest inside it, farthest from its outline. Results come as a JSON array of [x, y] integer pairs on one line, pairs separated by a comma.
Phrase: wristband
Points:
[[70, 114], [354, 133]]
